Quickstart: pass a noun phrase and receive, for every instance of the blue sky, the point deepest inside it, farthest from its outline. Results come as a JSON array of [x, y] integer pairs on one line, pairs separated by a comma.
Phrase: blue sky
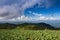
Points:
[[28, 10]]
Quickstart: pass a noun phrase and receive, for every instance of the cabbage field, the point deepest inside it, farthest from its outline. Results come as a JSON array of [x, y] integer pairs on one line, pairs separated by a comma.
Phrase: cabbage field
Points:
[[16, 34]]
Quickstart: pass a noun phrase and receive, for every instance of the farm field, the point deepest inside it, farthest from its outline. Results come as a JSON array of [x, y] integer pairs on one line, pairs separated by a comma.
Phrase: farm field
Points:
[[16, 34]]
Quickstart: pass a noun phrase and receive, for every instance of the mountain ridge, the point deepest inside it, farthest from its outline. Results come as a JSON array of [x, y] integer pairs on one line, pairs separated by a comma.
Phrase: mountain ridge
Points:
[[37, 26]]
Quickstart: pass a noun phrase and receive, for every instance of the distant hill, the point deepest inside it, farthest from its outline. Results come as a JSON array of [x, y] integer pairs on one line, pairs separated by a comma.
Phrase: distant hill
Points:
[[27, 26], [37, 26], [7, 26]]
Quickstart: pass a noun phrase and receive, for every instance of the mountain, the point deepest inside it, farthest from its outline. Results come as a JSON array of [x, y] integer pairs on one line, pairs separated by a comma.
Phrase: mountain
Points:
[[27, 26], [54, 23], [37, 26], [7, 26]]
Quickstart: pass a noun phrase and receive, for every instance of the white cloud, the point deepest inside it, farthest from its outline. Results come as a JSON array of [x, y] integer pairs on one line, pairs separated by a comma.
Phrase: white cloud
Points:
[[47, 18], [14, 9], [53, 18], [26, 18], [36, 14], [1, 18], [42, 17], [22, 18], [9, 11]]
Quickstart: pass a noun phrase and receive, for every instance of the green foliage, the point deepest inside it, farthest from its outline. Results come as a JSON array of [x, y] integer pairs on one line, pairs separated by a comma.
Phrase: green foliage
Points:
[[27, 26], [18, 34]]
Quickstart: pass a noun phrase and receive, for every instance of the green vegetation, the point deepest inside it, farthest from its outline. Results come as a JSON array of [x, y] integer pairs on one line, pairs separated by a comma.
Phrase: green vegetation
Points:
[[17, 34], [28, 31], [27, 26]]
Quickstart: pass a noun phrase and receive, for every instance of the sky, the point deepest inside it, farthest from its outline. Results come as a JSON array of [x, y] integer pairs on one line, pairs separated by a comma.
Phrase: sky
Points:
[[29, 10]]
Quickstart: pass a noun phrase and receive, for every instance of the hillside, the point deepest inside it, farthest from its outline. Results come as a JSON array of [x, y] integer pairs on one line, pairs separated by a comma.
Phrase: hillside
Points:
[[27, 26]]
